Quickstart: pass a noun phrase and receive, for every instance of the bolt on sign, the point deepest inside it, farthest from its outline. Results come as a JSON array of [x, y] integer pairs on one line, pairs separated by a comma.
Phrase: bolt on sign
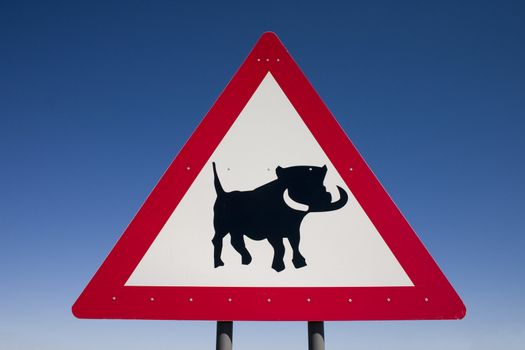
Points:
[[269, 213]]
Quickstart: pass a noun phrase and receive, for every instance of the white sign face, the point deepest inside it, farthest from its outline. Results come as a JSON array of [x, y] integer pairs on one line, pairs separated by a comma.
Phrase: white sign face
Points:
[[342, 247]]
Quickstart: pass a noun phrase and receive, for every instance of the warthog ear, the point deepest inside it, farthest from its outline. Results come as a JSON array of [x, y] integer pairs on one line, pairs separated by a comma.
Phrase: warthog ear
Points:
[[279, 171], [293, 204]]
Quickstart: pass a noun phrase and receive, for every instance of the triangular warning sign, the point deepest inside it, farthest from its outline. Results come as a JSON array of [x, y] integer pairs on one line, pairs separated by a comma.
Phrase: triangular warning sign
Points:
[[269, 213]]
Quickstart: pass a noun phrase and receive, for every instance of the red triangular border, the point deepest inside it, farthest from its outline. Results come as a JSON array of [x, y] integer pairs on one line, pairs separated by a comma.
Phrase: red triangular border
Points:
[[432, 296]]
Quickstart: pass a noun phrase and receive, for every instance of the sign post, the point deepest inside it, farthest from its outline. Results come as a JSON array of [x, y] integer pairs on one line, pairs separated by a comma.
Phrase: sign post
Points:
[[224, 335], [269, 212], [315, 335]]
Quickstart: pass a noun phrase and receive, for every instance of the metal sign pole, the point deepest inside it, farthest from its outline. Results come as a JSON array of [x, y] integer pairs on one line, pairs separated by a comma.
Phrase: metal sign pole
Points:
[[315, 335], [224, 335]]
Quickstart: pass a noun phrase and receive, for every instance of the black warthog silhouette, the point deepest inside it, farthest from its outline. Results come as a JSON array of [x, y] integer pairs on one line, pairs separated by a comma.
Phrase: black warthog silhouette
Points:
[[265, 213]]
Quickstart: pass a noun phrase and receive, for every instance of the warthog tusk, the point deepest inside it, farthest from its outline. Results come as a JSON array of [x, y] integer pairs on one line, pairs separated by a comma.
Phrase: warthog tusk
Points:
[[293, 204]]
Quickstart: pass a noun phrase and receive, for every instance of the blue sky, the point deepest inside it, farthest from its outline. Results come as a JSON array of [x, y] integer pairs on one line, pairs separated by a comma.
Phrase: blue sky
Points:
[[97, 98]]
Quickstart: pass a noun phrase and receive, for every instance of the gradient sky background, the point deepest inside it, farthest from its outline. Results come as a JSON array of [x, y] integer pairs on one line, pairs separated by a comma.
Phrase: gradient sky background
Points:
[[96, 99]]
